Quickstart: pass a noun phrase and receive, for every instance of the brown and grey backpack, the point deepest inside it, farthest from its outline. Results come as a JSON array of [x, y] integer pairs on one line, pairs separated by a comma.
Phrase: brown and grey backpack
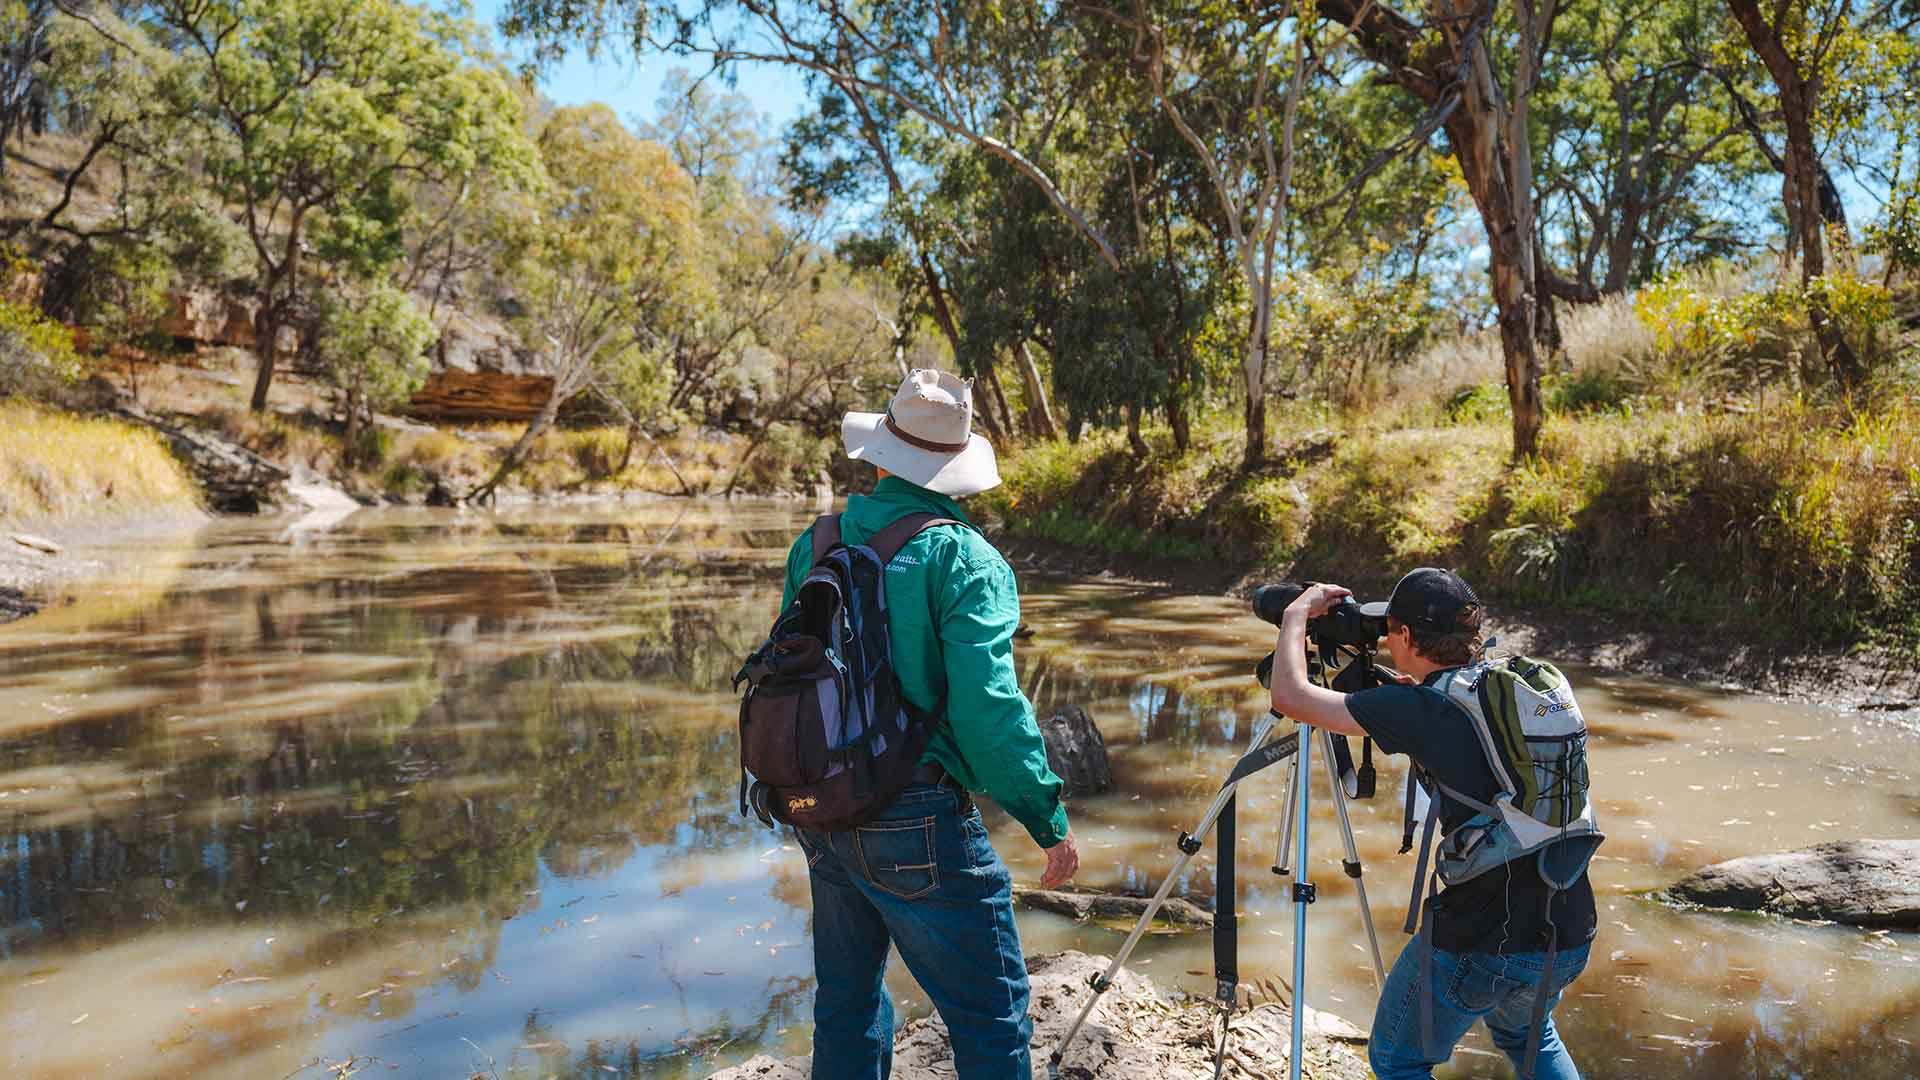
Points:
[[827, 740]]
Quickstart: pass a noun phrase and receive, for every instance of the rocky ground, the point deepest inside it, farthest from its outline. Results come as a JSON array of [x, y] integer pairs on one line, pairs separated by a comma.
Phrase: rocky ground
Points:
[[1137, 1032]]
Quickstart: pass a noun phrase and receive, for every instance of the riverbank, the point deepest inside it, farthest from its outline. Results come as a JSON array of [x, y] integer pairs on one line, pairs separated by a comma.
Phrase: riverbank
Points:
[[73, 487], [1138, 1031], [1774, 546]]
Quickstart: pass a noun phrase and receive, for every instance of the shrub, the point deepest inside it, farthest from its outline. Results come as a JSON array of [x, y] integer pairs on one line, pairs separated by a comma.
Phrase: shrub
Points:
[[36, 354], [1478, 403]]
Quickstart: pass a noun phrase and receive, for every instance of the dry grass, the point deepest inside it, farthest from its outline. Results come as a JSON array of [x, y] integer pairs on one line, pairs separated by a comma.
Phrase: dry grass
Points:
[[58, 465]]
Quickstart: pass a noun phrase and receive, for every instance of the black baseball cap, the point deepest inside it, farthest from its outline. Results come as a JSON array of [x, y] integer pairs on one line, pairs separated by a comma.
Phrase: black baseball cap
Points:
[[1427, 599]]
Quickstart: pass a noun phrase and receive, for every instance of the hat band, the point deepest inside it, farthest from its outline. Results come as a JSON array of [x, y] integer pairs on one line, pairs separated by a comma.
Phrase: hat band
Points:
[[919, 443]]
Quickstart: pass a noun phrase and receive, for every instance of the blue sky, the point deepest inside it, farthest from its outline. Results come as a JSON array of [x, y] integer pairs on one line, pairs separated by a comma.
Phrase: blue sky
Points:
[[632, 87]]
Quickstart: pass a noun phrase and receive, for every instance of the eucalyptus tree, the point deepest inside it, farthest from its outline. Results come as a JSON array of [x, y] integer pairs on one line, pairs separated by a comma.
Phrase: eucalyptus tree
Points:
[[756, 255], [997, 78], [312, 119], [1796, 42], [1212, 70], [1645, 156], [611, 258], [374, 341], [25, 49], [1477, 76]]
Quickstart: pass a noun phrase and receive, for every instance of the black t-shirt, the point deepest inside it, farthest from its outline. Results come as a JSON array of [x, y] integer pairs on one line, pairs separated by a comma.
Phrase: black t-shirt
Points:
[[1503, 910]]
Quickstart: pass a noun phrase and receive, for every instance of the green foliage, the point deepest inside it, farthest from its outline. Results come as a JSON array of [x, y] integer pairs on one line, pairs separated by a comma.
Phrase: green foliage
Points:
[[1342, 338], [122, 289], [36, 353], [1586, 390], [1745, 334], [1479, 402], [374, 344]]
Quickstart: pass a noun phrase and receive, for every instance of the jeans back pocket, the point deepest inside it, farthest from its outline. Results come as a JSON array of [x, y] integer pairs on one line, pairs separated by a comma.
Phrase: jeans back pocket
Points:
[[1481, 984], [897, 856]]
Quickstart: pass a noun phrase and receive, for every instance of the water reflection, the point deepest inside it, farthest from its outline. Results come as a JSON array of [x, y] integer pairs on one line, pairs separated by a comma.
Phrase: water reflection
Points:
[[457, 792]]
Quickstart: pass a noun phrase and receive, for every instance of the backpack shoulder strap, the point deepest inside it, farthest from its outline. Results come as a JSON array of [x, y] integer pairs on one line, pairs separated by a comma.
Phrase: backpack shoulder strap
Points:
[[826, 536], [888, 541]]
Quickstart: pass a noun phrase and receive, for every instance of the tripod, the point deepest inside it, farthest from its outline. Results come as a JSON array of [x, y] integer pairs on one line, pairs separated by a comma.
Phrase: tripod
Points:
[[1263, 750]]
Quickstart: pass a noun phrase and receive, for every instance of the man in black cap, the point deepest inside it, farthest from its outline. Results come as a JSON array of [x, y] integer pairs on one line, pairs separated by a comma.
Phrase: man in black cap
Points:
[[1488, 935]]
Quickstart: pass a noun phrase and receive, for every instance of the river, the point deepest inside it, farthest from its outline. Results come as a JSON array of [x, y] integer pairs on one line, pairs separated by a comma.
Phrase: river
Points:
[[444, 792]]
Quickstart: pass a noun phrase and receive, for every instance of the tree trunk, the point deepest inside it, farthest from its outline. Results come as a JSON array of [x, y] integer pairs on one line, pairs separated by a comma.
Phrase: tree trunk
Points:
[[281, 287], [626, 452], [1038, 410], [266, 330], [350, 442], [1135, 441], [1181, 423], [996, 399], [1255, 369], [549, 411], [1801, 191]]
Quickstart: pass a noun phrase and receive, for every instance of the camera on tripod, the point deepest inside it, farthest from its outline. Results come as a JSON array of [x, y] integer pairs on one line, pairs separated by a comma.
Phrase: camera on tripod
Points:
[[1339, 655], [1347, 635]]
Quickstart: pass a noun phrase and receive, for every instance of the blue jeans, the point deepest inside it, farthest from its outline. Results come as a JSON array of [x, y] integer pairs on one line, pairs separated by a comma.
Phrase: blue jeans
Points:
[[1468, 987], [923, 876]]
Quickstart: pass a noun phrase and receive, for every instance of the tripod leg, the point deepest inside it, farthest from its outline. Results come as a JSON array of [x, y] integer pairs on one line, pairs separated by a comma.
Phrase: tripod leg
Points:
[[1189, 846], [1352, 862], [1303, 895], [1283, 843]]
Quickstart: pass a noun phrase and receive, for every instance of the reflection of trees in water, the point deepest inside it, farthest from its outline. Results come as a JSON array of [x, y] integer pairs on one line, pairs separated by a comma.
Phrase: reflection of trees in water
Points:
[[787, 1001], [580, 748]]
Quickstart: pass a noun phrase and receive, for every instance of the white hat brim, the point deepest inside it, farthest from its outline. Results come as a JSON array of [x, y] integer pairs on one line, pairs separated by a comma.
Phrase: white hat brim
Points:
[[967, 472]]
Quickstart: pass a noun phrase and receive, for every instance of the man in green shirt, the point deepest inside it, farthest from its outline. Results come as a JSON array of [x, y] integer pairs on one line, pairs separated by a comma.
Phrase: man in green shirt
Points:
[[922, 876]]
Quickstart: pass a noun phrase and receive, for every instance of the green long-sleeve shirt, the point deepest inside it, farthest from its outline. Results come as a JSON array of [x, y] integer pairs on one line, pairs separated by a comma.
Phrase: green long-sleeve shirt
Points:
[[952, 610]]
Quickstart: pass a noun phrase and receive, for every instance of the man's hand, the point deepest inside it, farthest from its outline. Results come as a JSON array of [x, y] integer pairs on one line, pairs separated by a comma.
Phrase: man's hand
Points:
[[1318, 599], [1063, 861]]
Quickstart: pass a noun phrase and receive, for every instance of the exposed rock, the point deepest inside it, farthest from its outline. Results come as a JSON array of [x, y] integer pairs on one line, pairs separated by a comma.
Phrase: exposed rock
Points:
[[236, 480], [474, 343], [1092, 905], [1136, 1032], [37, 543], [480, 395], [1076, 752], [15, 605], [1858, 882], [206, 317]]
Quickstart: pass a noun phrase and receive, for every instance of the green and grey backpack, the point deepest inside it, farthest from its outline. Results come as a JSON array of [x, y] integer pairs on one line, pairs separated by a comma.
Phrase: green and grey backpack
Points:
[[1535, 739]]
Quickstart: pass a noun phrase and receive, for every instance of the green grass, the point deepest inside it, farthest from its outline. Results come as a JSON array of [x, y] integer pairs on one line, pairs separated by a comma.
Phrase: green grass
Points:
[[1790, 516]]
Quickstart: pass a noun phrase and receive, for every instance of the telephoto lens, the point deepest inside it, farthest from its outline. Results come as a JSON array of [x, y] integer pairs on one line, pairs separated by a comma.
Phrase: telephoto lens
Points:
[[1270, 601]]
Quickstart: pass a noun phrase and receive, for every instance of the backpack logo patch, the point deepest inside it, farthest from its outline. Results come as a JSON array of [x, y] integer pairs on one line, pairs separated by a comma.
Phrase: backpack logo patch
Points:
[[1554, 707], [801, 806]]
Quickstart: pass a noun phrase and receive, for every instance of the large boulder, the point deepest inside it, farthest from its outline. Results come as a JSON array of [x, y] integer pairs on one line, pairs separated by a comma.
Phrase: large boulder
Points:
[[1137, 1031], [1858, 882], [1076, 752]]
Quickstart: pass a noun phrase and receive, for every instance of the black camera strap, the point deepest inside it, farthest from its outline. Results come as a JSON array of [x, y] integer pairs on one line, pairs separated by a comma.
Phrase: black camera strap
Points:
[[1226, 922]]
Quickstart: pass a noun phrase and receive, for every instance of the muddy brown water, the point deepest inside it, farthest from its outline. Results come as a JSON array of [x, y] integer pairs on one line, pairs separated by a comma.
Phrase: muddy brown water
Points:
[[438, 793]]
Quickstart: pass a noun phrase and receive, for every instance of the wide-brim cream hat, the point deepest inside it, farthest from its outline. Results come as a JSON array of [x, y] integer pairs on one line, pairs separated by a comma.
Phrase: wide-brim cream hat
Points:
[[926, 436]]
